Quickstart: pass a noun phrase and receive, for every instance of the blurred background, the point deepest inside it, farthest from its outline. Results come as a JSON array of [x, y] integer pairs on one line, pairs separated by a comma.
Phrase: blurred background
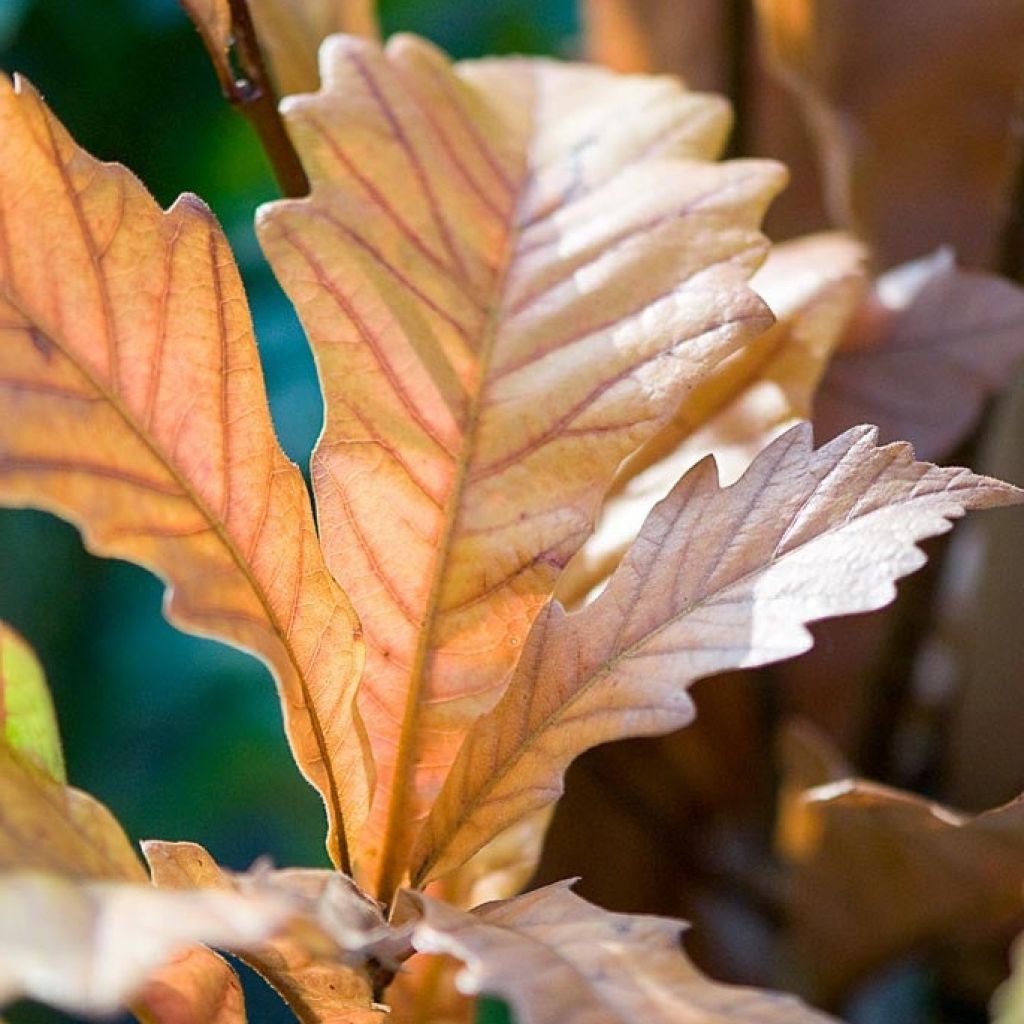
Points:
[[900, 122]]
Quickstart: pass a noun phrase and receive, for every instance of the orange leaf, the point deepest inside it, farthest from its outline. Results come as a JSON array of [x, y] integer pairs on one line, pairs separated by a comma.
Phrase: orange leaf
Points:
[[195, 987], [134, 406], [717, 579], [560, 960], [508, 272]]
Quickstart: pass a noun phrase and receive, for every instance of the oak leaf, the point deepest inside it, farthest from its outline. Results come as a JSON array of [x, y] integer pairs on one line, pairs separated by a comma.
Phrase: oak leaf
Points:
[[717, 579], [585, 964], [134, 406], [507, 271], [930, 346]]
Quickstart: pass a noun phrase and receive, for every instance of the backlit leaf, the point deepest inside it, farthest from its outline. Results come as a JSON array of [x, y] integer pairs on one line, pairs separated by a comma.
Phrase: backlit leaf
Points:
[[509, 271], [584, 964], [194, 987], [717, 579], [134, 406], [27, 721]]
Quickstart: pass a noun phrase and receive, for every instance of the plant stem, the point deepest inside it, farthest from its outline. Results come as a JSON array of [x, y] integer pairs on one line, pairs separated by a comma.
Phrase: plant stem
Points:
[[252, 93]]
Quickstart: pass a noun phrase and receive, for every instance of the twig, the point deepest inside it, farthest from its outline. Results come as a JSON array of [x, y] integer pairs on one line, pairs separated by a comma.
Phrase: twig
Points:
[[252, 93]]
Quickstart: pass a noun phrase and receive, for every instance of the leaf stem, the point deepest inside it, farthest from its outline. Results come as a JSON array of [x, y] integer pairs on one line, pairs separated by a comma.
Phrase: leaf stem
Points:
[[253, 95]]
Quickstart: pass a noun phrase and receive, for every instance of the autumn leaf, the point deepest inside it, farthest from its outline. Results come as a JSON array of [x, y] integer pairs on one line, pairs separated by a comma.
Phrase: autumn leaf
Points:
[[134, 406], [813, 286], [717, 579], [317, 963], [194, 987], [880, 873], [508, 272], [585, 964], [27, 720], [932, 344]]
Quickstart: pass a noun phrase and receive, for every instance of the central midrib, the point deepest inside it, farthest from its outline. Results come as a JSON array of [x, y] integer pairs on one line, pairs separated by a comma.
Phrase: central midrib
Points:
[[392, 866]]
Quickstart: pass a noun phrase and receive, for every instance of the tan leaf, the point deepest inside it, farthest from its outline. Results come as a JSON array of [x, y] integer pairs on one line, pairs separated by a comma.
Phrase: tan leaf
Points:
[[291, 32], [931, 346], [508, 272], [134, 406], [868, 74], [28, 725], [717, 579], [880, 873], [317, 963], [813, 286], [195, 987], [556, 958], [90, 946]]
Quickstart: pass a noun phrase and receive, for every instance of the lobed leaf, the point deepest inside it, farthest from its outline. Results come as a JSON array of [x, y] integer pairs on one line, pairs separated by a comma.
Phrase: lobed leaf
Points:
[[718, 579], [508, 272], [556, 958], [134, 406]]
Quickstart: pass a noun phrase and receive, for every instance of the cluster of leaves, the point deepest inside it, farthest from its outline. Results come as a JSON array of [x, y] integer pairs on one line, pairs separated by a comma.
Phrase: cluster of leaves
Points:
[[526, 288]]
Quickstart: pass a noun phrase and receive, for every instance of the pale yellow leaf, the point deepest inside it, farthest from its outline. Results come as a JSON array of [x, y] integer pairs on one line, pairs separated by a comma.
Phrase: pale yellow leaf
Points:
[[509, 272], [134, 406], [813, 286], [90, 947], [557, 959], [718, 579], [291, 31]]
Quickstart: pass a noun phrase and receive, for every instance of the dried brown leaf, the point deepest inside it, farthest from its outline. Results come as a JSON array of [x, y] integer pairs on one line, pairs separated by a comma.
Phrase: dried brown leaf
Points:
[[717, 579], [932, 344], [556, 958]]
